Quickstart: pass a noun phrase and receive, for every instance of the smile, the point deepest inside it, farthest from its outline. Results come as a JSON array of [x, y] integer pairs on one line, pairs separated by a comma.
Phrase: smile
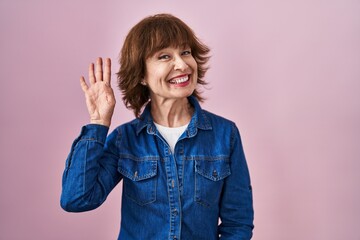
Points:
[[179, 80]]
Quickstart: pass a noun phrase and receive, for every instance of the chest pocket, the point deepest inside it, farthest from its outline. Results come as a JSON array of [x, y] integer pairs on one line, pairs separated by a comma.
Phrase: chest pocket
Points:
[[209, 180], [139, 179]]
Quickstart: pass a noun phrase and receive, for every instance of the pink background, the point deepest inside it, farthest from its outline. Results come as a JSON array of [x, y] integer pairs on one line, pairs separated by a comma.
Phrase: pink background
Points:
[[287, 72]]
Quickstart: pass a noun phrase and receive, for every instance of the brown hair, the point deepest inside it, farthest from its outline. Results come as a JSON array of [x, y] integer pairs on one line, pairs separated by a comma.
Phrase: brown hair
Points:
[[146, 38]]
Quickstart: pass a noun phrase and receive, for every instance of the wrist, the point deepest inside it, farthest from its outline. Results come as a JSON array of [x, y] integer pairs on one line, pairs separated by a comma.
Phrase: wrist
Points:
[[100, 122]]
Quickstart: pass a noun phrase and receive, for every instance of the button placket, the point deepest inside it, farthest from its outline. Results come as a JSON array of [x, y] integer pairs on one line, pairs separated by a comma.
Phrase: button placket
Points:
[[173, 191]]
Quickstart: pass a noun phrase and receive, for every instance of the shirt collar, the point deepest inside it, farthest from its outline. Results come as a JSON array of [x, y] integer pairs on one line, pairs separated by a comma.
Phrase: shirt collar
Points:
[[199, 120]]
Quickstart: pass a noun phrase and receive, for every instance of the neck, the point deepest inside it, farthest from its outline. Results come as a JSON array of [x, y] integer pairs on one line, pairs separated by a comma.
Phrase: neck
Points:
[[171, 112]]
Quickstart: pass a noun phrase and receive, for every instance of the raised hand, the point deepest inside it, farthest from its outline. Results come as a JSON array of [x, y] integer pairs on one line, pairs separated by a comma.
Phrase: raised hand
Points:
[[100, 99]]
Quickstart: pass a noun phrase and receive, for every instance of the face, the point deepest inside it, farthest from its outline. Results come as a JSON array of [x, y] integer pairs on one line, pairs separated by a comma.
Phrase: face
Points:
[[171, 73]]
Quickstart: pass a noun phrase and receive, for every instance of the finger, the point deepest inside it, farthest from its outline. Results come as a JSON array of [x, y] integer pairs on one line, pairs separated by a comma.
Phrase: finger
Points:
[[107, 71], [91, 74], [83, 84], [99, 69]]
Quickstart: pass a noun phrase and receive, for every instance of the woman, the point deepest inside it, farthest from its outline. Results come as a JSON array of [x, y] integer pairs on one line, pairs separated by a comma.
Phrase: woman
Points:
[[183, 168]]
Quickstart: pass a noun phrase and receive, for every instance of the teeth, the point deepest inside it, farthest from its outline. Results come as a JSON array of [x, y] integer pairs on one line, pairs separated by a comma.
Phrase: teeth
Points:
[[179, 80]]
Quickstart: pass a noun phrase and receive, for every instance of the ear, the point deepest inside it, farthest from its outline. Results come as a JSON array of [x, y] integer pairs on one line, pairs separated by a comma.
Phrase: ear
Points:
[[143, 82]]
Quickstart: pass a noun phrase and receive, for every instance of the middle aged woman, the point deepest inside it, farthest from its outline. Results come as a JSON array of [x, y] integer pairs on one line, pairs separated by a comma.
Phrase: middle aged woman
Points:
[[183, 168]]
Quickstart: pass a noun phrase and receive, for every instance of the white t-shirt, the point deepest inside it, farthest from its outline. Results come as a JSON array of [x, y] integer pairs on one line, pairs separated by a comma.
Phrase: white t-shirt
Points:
[[171, 135]]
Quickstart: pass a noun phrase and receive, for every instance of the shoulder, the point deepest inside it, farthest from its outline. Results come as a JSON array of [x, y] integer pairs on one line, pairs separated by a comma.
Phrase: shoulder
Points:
[[127, 127], [207, 119], [122, 129], [217, 120], [222, 126]]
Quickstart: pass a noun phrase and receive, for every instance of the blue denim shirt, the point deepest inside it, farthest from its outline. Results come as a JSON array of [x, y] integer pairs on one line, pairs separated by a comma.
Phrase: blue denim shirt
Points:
[[166, 195]]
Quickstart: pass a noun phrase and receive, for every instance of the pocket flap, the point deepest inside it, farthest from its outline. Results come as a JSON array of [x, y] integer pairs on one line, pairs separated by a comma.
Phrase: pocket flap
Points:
[[138, 169], [213, 169]]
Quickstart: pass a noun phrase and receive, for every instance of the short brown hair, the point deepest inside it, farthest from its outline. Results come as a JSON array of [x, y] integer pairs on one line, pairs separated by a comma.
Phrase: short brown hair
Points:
[[146, 38]]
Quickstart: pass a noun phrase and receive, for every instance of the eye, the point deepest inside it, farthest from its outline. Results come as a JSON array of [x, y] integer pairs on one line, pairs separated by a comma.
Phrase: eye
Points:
[[186, 52], [164, 57]]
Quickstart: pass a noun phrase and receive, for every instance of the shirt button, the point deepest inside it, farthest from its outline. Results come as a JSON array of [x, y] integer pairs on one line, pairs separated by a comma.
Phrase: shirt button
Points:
[[136, 174], [174, 237], [215, 174], [172, 183], [175, 212]]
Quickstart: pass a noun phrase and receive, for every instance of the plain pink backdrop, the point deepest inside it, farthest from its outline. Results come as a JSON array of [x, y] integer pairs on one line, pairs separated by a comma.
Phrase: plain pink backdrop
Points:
[[287, 72]]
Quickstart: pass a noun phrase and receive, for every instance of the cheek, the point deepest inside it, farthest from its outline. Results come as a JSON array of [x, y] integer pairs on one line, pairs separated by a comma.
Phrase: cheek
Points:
[[193, 65], [194, 68], [153, 74]]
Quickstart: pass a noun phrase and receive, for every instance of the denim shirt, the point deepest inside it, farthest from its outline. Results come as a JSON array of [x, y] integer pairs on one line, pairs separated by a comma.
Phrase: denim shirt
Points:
[[166, 195]]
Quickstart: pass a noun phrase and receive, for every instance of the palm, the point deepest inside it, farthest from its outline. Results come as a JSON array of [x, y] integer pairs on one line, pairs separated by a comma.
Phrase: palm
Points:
[[100, 99]]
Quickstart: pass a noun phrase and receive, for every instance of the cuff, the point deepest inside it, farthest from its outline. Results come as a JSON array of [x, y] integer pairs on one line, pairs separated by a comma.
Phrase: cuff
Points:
[[94, 132]]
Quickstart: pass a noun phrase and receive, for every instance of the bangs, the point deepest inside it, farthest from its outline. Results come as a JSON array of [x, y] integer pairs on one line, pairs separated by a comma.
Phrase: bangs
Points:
[[163, 34]]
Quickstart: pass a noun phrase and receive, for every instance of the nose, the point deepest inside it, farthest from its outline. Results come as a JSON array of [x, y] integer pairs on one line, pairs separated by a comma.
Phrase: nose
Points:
[[180, 64]]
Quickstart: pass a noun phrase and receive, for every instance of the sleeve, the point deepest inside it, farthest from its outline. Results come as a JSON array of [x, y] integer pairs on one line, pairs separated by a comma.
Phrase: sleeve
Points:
[[236, 206], [91, 169]]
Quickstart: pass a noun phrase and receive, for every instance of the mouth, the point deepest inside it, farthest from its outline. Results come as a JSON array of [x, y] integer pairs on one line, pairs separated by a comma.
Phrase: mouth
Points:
[[180, 79]]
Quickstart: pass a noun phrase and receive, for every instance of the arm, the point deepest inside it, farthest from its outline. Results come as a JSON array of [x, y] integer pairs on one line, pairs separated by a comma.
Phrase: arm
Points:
[[236, 207], [91, 167], [91, 170]]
